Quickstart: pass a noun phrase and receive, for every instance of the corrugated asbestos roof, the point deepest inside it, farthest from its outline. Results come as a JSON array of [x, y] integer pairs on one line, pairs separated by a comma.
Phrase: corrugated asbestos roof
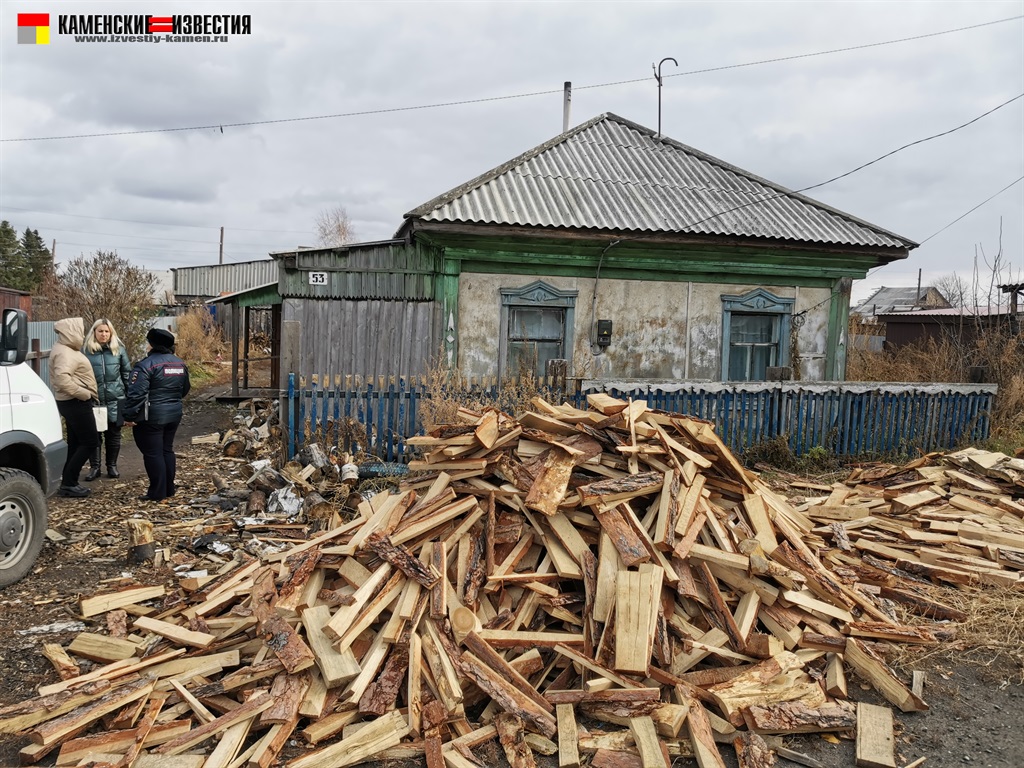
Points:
[[900, 299], [612, 174]]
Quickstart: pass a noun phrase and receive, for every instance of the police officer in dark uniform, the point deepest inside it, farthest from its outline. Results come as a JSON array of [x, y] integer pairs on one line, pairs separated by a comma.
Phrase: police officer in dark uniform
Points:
[[156, 387]]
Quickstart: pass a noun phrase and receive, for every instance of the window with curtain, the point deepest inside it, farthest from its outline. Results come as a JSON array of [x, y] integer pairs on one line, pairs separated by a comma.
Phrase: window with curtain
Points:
[[755, 334], [536, 326], [753, 346], [535, 335]]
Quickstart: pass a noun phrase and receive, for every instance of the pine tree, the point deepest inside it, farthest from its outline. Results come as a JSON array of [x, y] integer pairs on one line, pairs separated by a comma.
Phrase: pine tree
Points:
[[14, 269], [37, 257]]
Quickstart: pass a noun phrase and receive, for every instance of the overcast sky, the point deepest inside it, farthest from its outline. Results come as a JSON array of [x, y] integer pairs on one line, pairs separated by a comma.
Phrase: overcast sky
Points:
[[795, 122]]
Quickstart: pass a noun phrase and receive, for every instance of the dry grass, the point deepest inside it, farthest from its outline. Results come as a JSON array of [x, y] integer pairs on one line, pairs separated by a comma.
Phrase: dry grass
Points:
[[998, 350], [199, 342], [992, 635], [450, 390]]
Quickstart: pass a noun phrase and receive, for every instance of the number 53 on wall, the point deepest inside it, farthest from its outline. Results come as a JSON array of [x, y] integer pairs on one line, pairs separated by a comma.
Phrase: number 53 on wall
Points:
[[318, 278]]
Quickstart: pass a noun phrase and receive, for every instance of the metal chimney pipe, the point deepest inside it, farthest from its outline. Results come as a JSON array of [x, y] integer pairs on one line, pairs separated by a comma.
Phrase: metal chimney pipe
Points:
[[566, 104]]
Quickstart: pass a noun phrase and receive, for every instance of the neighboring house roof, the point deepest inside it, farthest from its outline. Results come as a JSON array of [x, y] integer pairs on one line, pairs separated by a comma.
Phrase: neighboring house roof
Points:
[[947, 312], [886, 300], [216, 279], [612, 174]]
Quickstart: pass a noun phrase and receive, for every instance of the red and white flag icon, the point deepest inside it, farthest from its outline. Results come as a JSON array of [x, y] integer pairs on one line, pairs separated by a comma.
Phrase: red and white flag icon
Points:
[[160, 24]]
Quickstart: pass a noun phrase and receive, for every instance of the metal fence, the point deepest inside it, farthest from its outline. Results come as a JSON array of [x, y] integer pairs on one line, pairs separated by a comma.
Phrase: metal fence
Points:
[[42, 337], [846, 419]]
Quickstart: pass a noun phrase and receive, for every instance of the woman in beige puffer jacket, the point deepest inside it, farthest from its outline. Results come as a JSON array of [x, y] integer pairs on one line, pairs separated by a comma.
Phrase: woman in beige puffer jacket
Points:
[[74, 388]]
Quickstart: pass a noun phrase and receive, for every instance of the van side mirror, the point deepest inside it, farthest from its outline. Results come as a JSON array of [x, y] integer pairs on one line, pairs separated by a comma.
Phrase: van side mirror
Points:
[[14, 337]]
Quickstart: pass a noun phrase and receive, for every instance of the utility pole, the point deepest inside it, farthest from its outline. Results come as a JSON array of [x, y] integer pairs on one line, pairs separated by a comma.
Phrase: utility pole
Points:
[[222, 245]]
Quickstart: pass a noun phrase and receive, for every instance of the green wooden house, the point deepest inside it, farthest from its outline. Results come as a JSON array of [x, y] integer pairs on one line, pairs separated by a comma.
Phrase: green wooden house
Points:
[[636, 256], [629, 255]]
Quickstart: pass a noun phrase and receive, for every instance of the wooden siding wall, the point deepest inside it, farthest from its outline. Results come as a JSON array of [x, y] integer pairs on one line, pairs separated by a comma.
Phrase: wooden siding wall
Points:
[[371, 337], [393, 271], [10, 299]]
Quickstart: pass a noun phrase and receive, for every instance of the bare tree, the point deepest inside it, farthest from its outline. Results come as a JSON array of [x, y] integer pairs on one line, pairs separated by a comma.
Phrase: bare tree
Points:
[[956, 289], [102, 286], [333, 227]]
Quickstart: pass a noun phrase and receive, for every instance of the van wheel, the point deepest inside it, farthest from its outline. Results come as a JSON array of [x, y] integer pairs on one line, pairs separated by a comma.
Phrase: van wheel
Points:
[[22, 524]]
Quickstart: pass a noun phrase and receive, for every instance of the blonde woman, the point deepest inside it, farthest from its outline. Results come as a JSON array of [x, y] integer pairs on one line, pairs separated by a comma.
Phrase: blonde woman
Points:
[[111, 366]]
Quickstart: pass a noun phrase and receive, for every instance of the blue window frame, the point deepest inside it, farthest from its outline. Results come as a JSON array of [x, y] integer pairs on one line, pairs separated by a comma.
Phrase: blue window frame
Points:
[[755, 334]]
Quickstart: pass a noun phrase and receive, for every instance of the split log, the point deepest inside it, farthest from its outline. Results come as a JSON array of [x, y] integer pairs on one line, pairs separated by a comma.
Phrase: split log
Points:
[[507, 696], [256, 505], [873, 669], [141, 548], [752, 751], [513, 741], [316, 507], [797, 717]]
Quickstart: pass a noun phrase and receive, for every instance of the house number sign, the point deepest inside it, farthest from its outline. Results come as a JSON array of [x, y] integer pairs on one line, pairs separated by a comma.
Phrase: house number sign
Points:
[[318, 278]]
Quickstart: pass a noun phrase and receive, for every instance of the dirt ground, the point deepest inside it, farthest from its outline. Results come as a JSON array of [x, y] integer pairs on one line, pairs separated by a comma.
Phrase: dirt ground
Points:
[[976, 697]]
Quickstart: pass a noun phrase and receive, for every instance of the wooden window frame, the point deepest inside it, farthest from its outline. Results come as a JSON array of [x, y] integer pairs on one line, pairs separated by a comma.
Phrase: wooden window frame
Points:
[[536, 295], [756, 302]]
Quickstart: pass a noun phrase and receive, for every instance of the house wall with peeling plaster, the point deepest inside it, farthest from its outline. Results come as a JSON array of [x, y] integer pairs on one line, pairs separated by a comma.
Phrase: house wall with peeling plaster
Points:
[[661, 330]]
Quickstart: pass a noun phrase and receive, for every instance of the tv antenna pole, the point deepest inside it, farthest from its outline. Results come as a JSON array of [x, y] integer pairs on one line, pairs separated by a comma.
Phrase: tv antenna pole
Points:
[[657, 76]]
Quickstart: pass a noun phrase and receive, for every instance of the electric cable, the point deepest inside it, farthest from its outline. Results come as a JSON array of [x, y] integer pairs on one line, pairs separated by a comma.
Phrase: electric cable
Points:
[[488, 99], [983, 202]]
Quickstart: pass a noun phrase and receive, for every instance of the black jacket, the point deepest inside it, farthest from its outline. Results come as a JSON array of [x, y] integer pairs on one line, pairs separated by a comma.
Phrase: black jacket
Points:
[[162, 379]]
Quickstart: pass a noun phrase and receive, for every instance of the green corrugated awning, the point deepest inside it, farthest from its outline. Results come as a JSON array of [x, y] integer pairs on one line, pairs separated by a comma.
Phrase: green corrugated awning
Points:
[[260, 296]]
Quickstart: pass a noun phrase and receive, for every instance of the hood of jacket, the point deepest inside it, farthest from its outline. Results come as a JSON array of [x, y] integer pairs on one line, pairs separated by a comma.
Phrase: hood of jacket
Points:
[[70, 332]]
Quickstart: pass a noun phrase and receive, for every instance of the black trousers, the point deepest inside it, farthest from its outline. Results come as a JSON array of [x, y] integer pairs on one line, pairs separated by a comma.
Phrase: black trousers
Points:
[[112, 439], [156, 441], [82, 437]]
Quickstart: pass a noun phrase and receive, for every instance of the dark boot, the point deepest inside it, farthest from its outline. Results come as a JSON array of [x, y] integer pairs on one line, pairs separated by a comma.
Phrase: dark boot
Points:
[[73, 491], [113, 440], [94, 465]]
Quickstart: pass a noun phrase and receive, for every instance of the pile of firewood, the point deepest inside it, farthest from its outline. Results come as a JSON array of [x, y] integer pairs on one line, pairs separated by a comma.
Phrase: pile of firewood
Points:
[[609, 583]]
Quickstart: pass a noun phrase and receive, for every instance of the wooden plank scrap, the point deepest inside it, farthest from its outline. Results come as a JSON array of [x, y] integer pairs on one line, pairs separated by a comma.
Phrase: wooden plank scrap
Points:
[[875, 742]]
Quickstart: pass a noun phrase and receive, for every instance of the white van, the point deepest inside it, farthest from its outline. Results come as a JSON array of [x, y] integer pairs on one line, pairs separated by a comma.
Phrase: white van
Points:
[[32, 452]]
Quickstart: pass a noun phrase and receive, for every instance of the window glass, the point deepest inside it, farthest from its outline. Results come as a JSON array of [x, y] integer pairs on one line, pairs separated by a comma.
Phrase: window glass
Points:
[[738, 358], [753, 345], [761, 358], [531, 357], [752, 329], [536, 323], [535, 335]]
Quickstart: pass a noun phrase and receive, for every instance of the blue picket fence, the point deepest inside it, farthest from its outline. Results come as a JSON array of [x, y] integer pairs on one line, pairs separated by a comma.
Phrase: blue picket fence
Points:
[[846, 419]]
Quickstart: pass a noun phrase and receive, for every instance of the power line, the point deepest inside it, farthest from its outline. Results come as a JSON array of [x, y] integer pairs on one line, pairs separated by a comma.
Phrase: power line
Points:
[[139, 248], [155, 223], [919, 141], [983, 202], [844, 50], [151, 237], [487, 99], [844, 175], [692, 224]]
